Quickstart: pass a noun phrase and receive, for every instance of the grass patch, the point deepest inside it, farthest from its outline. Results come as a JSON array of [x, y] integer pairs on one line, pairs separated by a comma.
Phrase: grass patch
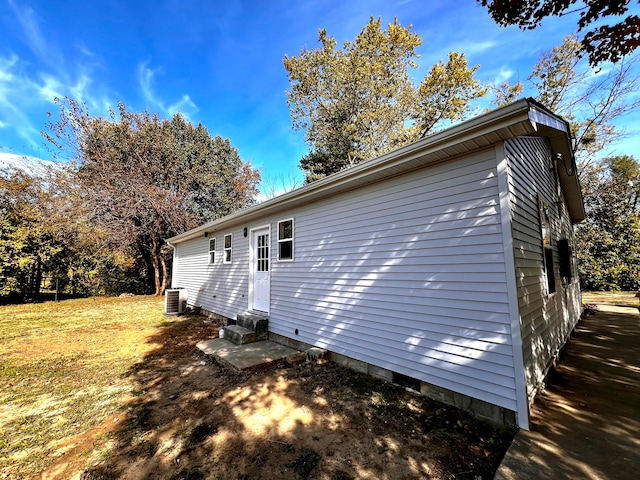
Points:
[[62, 372], [620, 299], [110, 388]]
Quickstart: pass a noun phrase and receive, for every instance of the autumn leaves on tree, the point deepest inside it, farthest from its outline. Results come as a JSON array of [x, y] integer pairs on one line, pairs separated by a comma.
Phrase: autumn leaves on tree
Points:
[[601, 43], [134, 179], [358, 102], [142, 179]]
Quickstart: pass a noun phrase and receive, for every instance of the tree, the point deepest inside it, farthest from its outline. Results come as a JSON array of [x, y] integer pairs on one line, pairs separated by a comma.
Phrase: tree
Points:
[[608, 243], [48, 240], [359, 102], [143, 179], [26, 244], [606, 43], [38, 231], [446, 92], [590, 101]]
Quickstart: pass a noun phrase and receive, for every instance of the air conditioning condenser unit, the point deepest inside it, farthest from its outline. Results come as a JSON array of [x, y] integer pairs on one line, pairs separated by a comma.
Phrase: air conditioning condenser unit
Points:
[[175, 301]]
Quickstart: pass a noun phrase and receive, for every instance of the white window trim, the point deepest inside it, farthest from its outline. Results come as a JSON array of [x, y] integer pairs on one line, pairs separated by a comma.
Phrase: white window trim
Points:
[[229, 249], [212, 253], [293, 234]]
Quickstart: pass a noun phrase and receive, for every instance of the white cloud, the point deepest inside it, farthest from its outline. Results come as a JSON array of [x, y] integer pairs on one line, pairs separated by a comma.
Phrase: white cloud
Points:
[[504, 74], [477, 47], [146, 77], [6, 65], [184, 104], [15, 96], [26, 96], [84, 50], [28, 88], [40, 46], [79, 90], [49, 88], [468, 46]]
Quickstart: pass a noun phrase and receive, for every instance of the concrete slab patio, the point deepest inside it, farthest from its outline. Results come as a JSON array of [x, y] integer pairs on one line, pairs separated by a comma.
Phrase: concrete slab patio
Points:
[[245, 357], [587, 423]]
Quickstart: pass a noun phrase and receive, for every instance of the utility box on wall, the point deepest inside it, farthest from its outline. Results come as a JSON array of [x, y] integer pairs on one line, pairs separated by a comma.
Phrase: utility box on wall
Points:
[[175, 301]]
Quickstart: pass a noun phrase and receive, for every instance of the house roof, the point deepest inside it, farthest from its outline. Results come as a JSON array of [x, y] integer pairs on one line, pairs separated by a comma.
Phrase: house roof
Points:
[[524, 117]]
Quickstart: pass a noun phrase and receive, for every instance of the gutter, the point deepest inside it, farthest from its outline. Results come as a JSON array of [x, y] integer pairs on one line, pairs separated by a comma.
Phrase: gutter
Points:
[[506, 122]]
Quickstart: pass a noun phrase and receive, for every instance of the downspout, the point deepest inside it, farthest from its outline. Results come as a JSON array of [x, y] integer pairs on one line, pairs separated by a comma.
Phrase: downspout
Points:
[[173, 263]]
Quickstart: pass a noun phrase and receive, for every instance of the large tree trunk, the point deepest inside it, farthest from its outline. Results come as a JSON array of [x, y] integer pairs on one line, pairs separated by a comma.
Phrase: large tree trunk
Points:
[[156, 261], [165, 276]]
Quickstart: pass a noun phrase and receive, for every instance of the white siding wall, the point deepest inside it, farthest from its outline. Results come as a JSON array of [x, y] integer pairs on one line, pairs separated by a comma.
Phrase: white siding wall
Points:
[[546, 320], [221, 287], [407, 274]]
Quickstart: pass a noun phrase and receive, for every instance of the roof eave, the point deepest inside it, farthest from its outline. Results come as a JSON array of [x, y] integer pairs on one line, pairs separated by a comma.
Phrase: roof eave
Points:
[[477, 133], [558, 131]]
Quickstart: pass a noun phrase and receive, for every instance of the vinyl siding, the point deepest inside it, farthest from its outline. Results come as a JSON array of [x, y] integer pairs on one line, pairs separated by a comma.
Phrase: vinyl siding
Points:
[[220, 287], [406, 274], [546, 319]]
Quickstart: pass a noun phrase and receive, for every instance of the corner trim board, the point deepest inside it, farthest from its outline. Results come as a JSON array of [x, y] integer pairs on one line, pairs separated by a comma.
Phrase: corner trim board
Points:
[[512, 290]]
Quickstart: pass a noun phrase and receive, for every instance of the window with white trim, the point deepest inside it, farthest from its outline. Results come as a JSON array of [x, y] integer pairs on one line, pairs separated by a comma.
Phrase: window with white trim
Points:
[[212, 251], [227, 248], [285, 239]]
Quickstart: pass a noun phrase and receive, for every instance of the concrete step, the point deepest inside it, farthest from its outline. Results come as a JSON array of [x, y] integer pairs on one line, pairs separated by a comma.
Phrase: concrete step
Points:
[[257, 323], [241, 358], [240, 335]]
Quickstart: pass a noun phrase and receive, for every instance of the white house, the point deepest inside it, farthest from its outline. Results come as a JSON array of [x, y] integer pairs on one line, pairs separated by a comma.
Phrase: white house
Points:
[[447, 262]]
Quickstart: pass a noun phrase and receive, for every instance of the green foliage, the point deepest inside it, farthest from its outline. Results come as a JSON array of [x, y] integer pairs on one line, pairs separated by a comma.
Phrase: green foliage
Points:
[[608, 243], [604, 43], [140, 179], [98, 225], [45, 235], [358, 102], [30, 243]]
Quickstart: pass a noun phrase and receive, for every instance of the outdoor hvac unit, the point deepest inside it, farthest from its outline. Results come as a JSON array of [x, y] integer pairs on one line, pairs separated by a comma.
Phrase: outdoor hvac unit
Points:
[[175, 301]]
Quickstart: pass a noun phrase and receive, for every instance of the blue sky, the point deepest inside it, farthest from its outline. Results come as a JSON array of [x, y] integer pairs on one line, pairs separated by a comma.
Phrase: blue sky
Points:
[[220, 63]]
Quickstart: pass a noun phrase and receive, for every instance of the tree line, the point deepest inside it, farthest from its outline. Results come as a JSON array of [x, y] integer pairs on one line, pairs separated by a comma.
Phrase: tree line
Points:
[[129, 180], [99, 221]]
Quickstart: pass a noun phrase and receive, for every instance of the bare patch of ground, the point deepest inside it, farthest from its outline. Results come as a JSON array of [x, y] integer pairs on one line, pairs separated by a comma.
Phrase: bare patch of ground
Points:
[[185, 417]]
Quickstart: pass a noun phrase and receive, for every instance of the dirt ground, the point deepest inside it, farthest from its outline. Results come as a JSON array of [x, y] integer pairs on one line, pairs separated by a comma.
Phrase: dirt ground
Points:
[[585, 424], [189, 418]]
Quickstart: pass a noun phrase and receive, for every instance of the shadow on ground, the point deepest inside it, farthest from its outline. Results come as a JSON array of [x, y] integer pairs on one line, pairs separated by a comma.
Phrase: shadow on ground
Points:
[[192, 419], [586, 424]]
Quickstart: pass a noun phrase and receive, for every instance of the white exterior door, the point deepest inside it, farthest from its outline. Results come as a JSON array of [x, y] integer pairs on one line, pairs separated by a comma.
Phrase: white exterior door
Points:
[[260, 266]]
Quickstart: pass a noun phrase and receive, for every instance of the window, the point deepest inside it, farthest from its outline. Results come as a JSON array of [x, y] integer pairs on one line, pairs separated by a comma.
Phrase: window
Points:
[[285, 239], [547, 246], [227, 248], [212, 251], [263, 253], [565, 259]]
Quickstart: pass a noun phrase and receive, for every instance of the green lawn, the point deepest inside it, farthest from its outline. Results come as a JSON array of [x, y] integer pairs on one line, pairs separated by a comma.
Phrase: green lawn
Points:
[[62, 371], [621, 299]]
